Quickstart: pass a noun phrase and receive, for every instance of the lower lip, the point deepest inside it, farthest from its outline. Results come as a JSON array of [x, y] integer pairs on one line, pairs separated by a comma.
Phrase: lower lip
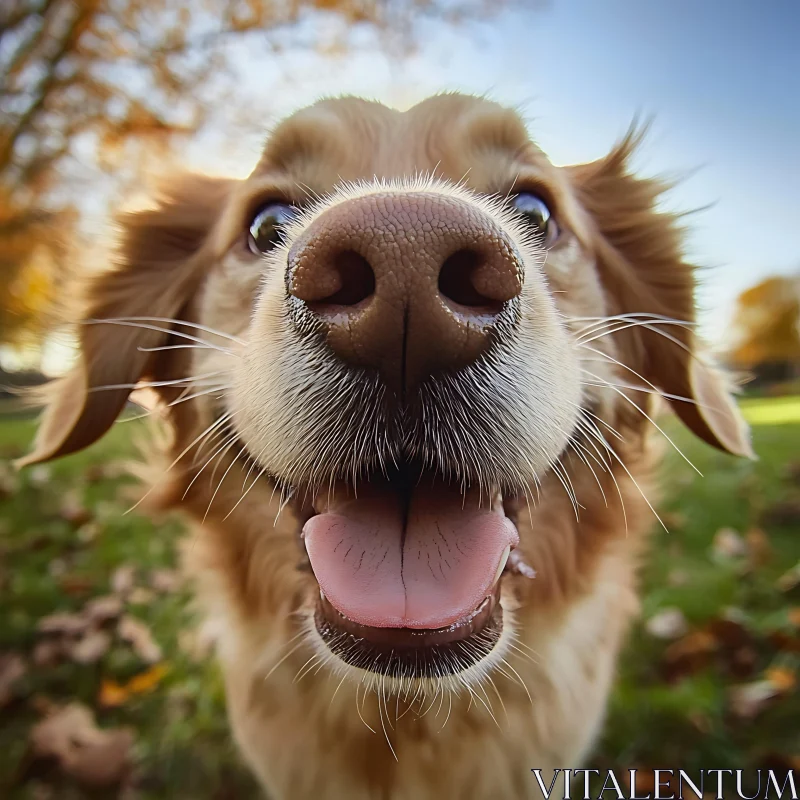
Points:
[[413, 652]]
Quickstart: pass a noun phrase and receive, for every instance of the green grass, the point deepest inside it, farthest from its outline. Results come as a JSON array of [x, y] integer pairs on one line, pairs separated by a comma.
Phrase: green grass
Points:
[[772, 411], [183, 745], [688, 723], [183, 750]]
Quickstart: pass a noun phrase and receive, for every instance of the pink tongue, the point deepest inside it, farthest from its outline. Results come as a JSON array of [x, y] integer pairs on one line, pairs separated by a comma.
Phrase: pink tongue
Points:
[[439, 573]]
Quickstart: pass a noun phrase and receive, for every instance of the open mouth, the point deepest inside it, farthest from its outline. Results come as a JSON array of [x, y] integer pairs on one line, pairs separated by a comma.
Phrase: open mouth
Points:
[[409, 572]]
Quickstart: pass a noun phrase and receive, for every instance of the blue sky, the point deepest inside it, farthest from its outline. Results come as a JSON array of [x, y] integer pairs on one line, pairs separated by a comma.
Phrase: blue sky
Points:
[[721, 78]]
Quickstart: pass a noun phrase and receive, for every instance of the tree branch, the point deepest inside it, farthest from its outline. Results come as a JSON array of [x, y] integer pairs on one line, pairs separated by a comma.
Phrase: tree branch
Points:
[[24, 121]]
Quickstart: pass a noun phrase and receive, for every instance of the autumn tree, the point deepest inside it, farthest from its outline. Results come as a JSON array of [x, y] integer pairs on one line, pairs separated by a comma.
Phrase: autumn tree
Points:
[[766, 323], [100, 82]]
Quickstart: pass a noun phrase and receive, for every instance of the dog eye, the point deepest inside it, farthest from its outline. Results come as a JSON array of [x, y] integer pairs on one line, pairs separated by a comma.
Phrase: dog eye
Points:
[[267, 228], [536, 212]]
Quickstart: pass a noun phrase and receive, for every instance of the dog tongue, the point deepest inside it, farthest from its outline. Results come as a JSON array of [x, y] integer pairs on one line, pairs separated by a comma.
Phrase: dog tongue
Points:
[[425, 566]]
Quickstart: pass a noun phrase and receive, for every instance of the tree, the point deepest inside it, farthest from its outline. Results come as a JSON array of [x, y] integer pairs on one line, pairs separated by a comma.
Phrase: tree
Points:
[[766, 323], [107, 81]]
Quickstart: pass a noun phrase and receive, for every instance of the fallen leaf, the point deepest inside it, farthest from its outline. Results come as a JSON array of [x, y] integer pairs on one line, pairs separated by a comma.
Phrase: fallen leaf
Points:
[[91, 755], [782, 678], [12, 668], [123, 579], [138, 635], [64, 623], [689, 654], [148, 680], [114, 694], [728, 545], [47, 653], [669, 623], [165, 580], [790, 579], [750, 699], [39, 475], [102, 609], [90, 648]]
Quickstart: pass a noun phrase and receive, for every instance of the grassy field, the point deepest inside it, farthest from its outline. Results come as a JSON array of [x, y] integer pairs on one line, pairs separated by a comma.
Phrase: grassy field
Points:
[[708, 678]]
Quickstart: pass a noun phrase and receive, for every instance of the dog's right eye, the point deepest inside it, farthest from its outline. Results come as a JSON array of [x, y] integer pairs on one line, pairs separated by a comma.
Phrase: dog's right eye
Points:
[[267, 228]]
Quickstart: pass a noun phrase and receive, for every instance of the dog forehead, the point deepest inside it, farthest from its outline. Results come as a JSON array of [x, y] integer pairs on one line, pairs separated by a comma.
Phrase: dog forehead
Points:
[[455, 136]]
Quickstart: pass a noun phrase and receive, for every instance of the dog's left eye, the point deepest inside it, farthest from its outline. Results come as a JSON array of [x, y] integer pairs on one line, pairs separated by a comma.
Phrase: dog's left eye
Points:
[[266, 229], [537, 213]]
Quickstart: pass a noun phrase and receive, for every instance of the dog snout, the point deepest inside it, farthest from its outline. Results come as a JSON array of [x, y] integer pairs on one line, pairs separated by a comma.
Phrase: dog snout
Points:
[[405, 283]]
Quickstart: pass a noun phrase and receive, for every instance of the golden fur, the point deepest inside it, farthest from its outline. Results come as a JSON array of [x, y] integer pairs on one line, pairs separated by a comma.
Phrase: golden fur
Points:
[[307, 727]]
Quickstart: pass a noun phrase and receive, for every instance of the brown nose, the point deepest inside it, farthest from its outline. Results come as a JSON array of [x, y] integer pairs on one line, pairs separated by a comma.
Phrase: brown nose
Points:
[[408, 284]]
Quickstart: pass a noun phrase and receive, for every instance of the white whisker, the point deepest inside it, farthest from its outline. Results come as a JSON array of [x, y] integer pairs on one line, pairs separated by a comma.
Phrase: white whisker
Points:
[[649, 418], [170, 321]]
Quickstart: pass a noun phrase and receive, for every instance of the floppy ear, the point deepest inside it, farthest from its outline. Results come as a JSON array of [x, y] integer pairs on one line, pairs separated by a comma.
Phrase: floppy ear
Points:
[[639, 253], [160, 264]]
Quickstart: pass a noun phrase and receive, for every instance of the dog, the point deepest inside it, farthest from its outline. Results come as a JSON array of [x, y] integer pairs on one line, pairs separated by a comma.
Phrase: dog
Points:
[[408, 369]]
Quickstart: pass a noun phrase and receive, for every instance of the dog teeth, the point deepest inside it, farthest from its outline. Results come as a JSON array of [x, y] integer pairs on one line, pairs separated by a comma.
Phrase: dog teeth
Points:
[[502, 565], [497, 502]]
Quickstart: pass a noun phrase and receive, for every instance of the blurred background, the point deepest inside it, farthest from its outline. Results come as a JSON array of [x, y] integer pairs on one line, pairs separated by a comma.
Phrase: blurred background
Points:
[[100, 97]]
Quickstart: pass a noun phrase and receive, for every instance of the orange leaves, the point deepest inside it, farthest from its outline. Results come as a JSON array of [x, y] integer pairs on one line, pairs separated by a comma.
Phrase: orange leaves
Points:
[[114, 694], [767, 322], [782, 678], [724, 641], [27, 260], [728, 646], [689, 654]]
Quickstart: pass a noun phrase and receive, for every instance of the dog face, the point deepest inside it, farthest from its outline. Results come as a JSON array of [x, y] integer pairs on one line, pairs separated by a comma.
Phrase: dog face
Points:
[[407, 325]]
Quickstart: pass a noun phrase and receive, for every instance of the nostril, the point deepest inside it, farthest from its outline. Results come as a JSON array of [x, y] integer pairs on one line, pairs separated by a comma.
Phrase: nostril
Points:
[[457, 281], [355, 278]]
